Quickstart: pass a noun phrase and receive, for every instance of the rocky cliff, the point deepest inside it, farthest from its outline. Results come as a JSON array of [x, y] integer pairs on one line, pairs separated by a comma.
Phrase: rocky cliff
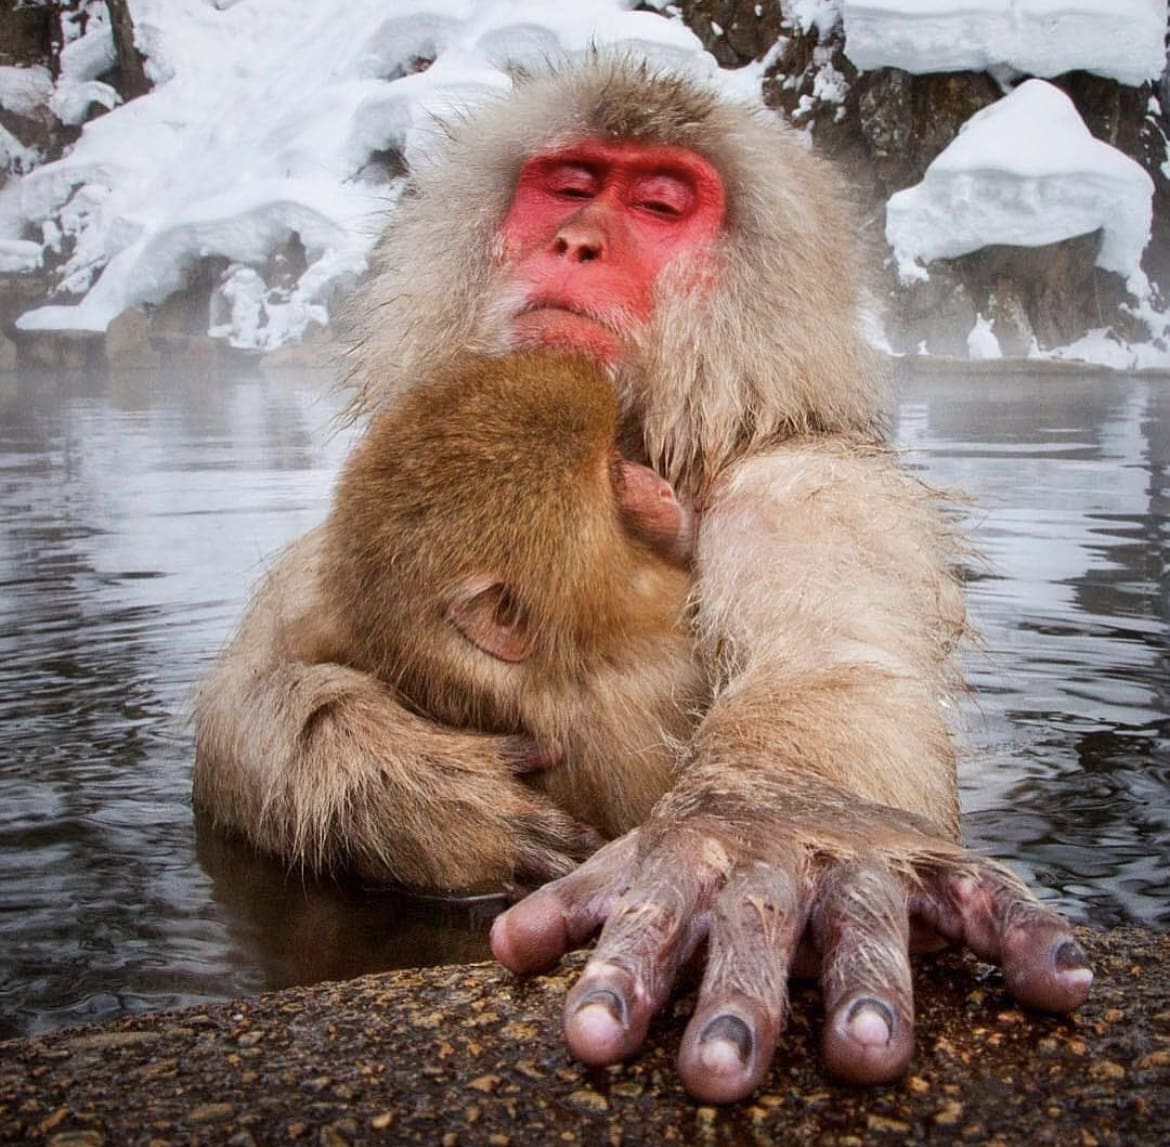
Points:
[[883, 128]]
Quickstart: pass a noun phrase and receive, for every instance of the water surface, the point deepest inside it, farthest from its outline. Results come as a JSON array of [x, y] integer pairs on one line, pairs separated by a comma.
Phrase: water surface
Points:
[[136, 512], [1068, 773]]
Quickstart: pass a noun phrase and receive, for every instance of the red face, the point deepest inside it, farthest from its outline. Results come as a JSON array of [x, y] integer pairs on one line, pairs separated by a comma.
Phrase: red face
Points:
[[589, 231]]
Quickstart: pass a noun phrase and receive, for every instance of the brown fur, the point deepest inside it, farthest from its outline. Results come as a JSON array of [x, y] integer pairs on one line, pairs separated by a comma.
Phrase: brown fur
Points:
[[823, 599], [502, 467], [493, 466]]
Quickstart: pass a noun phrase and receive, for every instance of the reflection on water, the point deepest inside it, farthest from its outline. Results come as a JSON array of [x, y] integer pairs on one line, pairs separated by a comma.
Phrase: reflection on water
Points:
[[301, 932], [1068, 775], [136, 512]]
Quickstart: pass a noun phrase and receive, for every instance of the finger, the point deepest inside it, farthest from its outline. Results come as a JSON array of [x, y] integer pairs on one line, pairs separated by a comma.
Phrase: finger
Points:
[[990, 910], [537, 932], [862, 929], [653, 928], [743, 1000], [551, 845], [523, 756]]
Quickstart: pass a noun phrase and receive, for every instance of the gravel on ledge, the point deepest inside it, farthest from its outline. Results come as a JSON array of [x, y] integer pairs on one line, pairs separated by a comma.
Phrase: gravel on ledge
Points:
[[467, 1055]]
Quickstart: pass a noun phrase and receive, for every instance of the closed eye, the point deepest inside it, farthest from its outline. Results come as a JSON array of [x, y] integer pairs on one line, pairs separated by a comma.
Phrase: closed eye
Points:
[[667, 196], [659, 207], [571, 181]]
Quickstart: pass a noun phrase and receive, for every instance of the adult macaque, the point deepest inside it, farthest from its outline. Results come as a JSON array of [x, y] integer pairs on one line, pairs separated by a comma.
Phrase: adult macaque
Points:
[[493, 557], [702, 254]]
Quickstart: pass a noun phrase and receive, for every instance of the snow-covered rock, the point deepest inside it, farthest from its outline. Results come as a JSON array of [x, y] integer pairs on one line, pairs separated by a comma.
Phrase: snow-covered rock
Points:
[[271, 122], [83, 59], [823, 15], [19, 254], [1026, 172], [1120, 39], [24, 90]]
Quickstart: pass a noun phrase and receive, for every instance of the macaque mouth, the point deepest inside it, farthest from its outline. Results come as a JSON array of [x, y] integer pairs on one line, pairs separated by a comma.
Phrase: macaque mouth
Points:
[[552, 306]]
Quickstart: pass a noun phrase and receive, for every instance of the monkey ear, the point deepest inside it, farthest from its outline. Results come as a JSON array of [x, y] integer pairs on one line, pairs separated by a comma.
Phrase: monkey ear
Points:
[[487, 613]]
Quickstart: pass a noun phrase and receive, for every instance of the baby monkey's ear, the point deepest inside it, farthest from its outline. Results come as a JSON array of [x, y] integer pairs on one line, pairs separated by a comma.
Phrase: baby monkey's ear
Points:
[[487, 613]]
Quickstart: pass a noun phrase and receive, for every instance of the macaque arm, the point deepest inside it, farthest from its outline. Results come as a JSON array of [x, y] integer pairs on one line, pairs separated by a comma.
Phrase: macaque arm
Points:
[[318, 764], [816, 824]]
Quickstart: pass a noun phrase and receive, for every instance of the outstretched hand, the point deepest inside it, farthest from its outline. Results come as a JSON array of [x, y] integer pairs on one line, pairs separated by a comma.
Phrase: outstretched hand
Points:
[[784, 874]]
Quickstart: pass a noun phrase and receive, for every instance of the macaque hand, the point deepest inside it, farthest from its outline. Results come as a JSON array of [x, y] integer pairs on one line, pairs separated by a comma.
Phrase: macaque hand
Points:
[[543, 841], [787, 874], [473, 823]]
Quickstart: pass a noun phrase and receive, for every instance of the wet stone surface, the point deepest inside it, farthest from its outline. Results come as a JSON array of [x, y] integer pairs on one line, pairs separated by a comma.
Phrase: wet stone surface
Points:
[[471, 1055]]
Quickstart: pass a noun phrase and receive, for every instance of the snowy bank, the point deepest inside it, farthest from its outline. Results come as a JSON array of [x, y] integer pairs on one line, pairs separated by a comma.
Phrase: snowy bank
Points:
[[1120, 39], [1025, 172], [274, 137]]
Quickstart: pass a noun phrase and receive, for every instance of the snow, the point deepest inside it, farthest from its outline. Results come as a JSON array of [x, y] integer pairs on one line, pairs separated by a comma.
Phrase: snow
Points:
[[270, 120], [262, 124], [1025, 171], [19, 254], [1102, 347], [1121, 39], [23, 90], [823, 15], [83, 59], [981, 341]]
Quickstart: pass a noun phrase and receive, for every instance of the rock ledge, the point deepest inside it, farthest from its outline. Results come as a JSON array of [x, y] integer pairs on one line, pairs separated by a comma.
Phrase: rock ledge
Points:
[[470, 1055]]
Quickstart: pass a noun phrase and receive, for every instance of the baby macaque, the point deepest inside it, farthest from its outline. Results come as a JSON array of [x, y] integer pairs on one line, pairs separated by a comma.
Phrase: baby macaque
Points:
[[494, 558]]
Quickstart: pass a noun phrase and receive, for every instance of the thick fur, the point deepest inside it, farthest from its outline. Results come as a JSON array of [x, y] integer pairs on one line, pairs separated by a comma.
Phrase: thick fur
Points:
[[829, 621], [766, 347], [825, 608], [502, 467]]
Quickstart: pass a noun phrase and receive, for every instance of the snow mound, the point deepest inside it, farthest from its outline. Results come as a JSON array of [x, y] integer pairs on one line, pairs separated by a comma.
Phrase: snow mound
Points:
[[1121, 39], [823, 15], [981, 340], [23, 90], [268, 125], [1025, 172]]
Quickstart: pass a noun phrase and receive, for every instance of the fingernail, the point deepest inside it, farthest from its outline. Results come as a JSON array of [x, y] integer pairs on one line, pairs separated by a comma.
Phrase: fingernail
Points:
[[1072, 963], [610, 1001], [870, 1022], [732, 1030], [1070, 957], [726, 1043]]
